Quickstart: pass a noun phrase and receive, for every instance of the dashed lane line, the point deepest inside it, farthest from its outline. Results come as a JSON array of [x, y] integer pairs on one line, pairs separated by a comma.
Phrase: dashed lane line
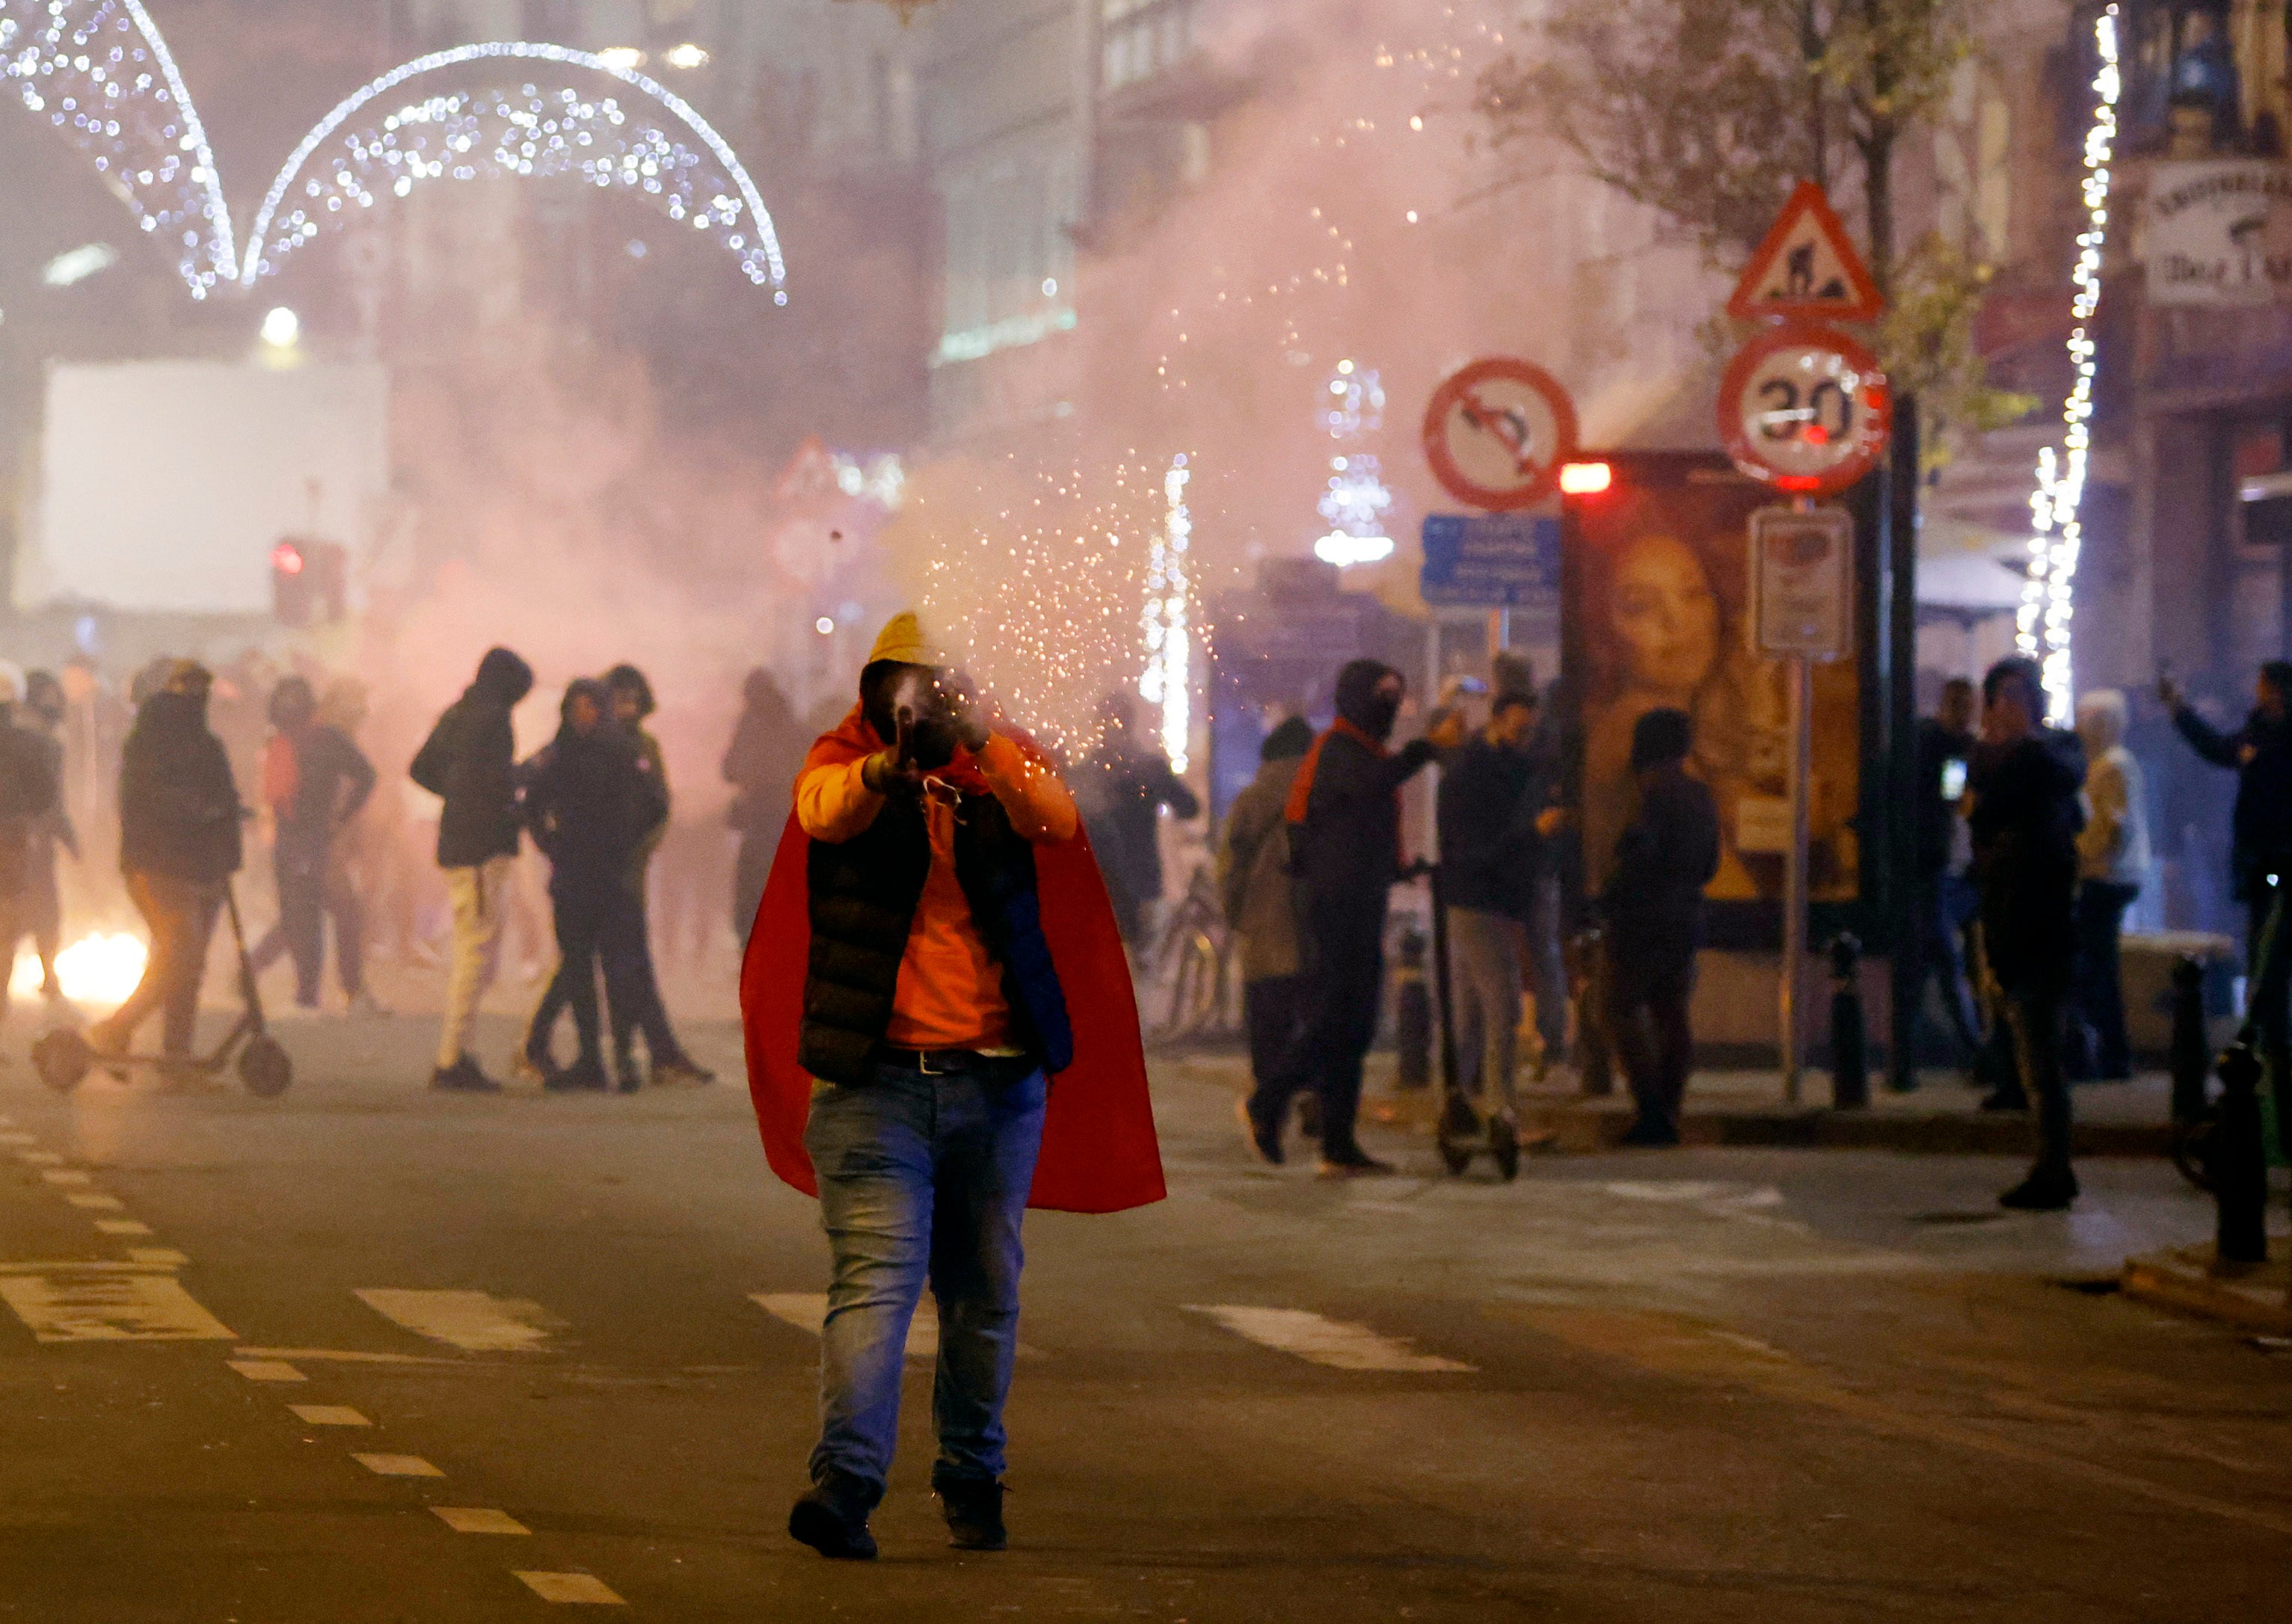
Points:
[[36, 1159], [328, 1355], [570, 1587], [89, 1201], [160, 1256], [475, 1321], [67, 1175], [329, 1414], [398, 1466], [19, 1138], [266, 1369], [122, 1226], [478, 1519], [1335, 1343]]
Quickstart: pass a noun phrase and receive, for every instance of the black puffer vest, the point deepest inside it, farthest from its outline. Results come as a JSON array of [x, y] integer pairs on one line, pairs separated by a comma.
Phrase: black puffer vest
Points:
[[863, 895]]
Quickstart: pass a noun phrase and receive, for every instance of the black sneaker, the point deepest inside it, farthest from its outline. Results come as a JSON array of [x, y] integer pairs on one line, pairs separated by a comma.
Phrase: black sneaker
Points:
[[1644, 1134], [818, 1521], [465, 1076], [1357, 1164], [626, 1078], [682, 1071], [2046, 1190], [1264, 1140], [974, 1514], [584, 1076]]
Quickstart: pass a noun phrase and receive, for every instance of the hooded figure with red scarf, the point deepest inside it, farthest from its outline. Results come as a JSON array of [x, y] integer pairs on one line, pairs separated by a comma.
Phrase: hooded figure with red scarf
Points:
[[1344, 842], [941, 1033]]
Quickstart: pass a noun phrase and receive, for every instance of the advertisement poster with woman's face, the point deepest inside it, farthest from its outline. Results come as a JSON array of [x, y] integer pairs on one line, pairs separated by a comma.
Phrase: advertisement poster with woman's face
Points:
[[1660, 616]]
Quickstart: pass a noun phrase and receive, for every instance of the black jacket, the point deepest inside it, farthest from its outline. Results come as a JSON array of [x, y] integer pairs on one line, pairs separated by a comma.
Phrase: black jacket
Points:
[[470, 759], [1664, 859], [1123, 792], [28, 790], [1347, 851], [590, 802], [1490, 853], [2262, 819], [333, 779], [179, 808], [863, 897], [2025, 821]]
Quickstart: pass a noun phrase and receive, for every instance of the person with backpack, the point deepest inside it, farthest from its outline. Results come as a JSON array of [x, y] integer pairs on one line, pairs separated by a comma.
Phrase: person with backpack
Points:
[[1260, 901]]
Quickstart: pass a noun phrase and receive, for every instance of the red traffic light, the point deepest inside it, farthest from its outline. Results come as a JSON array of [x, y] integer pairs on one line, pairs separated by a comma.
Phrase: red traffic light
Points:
[[1585, 479], [287, 558]]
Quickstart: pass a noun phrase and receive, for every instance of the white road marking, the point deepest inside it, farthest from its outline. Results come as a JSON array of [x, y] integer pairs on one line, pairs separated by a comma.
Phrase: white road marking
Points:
[[807, 1311], [339, 1355], [20, 1139], [104, 1304], [122, 1226], [398, 1466], [478, 1519], [267, 1371], [570, 1587], [67, 1175], [164, 1256], [1334, 1343], [36, 1159], [329, 1414], [474, 1321], [88, 1202]]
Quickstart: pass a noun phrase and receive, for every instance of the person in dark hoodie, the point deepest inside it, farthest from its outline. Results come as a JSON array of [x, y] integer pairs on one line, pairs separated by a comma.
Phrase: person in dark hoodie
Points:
[[470, 760], [29, 794], [629, 934], [593, 800], [315, 780], [768, 745], [1344, 821], [2259, 856], [2024, 814], [1654, 909], [179, 845], [39, 913]]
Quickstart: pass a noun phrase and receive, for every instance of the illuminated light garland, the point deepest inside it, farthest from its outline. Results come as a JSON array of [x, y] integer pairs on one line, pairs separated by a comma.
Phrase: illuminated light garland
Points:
[[1357, 498], [99, 71], [759, 257], [2042, 626], [1168, 679]]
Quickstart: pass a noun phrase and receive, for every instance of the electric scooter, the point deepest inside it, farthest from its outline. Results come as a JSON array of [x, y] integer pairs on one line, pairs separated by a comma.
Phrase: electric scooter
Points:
[[64, 1057]]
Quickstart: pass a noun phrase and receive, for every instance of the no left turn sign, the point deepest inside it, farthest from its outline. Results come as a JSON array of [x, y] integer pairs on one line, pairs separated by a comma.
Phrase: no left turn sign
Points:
[[1805, 408], [1496, 433]]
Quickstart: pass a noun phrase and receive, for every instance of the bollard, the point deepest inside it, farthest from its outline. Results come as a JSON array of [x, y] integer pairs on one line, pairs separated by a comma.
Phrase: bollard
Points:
[[1412, 1015], [2191, 1050], [1587, 976], [2236, 1161], [1850, 1057]]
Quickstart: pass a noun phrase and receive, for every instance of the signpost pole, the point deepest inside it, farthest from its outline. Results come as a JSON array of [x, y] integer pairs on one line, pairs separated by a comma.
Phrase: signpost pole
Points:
[[1800, 675]]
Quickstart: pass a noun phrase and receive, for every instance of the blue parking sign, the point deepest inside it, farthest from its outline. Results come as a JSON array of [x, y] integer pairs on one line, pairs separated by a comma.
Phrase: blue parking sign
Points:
[[1496, 561]]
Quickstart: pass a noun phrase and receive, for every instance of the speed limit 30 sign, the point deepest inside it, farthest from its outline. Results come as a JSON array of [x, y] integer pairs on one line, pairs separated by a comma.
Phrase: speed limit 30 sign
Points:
[[1805, 408]]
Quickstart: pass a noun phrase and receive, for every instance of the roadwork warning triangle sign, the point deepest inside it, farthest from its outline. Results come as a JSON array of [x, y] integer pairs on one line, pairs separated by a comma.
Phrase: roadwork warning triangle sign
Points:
[[1807, 267]]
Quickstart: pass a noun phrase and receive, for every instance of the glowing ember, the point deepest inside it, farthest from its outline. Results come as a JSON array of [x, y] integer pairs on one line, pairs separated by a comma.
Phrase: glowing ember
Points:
[[97, 970]]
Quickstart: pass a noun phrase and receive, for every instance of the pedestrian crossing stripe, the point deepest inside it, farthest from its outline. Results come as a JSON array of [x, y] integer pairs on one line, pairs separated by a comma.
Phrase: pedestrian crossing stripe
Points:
[[1337, 1344], [109, 1303]]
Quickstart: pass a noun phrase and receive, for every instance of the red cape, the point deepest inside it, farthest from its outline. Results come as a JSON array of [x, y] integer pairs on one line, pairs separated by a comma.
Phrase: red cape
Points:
[[1099, 1149]]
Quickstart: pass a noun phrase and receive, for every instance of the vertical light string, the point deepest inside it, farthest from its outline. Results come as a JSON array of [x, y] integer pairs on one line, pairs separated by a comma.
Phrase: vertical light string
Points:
[[2042, 627], [1167, 681]]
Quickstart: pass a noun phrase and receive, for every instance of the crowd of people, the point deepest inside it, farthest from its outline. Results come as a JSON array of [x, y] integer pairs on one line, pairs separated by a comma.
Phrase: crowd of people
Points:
[[176, 791]]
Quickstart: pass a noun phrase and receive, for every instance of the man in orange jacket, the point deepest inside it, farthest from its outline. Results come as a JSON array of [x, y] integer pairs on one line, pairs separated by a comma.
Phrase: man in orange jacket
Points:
[[948, 905]]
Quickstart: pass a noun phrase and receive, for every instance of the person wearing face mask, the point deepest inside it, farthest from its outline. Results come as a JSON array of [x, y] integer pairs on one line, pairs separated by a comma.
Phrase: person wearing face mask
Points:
[[1344, 815], [179, 845], [934, 946]]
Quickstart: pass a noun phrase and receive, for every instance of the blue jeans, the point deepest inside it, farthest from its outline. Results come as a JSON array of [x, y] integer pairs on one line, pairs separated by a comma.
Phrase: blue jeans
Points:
[[921, 1176]]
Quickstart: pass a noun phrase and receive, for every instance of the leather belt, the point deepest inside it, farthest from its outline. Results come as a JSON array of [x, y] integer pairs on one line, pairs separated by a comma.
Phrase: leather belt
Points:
[[931, 1063]]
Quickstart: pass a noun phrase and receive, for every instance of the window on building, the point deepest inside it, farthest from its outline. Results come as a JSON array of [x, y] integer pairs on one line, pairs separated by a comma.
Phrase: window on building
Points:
[[1010, 258], [1142, 37]]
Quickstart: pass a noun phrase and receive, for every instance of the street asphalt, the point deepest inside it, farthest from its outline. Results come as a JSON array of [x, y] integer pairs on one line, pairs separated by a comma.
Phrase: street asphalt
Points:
[[367, 1352]]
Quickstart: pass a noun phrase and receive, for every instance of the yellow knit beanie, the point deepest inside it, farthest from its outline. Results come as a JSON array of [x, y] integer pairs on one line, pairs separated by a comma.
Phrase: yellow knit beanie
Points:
[[902, 640]]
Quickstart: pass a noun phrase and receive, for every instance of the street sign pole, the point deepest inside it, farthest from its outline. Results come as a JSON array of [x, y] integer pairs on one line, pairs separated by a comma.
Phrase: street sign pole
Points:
[[1800, 675]]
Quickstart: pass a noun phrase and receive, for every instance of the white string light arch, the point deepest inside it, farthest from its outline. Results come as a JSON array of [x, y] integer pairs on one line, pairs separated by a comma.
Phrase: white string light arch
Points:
[[526, 132]]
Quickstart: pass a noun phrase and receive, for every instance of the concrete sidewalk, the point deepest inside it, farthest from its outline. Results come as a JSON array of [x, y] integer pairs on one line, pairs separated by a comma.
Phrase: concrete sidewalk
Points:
[[1747, 1109], [2256, 1296]]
